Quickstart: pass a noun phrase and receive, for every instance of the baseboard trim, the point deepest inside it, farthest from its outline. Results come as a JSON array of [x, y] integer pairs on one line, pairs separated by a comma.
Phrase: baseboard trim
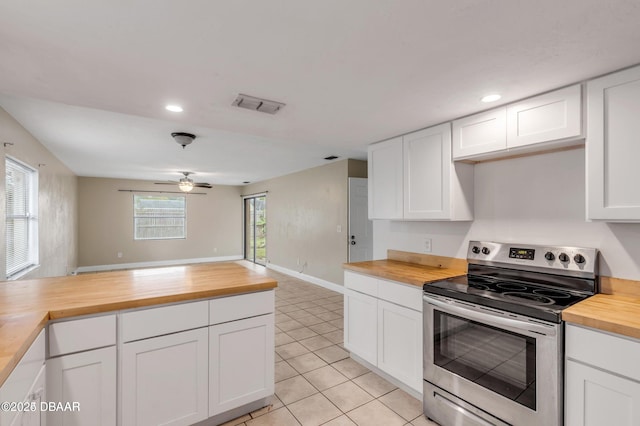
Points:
[[159, 263], [313, 280]]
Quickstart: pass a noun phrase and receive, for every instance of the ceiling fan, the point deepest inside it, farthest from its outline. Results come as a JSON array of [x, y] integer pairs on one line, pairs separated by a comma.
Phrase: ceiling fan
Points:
[[186, 184]]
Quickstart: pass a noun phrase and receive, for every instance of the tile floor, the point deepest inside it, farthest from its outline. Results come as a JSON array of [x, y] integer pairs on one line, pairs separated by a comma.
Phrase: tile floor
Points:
[[316, 381]]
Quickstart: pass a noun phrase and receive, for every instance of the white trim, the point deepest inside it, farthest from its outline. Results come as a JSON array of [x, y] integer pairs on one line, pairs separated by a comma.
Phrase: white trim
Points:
[[117, 266], [313, 280]]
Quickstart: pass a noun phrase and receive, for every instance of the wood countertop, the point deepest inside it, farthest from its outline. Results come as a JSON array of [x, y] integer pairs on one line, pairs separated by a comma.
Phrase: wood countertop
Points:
[[616, 309], [26, 306], [411, 268]]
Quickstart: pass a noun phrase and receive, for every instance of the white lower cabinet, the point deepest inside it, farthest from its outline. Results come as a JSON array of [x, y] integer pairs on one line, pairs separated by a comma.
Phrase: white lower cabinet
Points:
[[385, 331], [361, 325], [602, 378], [164, 379], [598, 397], [25, 385], [87, 379], [400, 343], [241, 357]]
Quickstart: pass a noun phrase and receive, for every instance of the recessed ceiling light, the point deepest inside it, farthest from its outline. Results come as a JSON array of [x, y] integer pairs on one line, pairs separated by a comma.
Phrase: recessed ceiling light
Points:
[[491, 98], [174, 108]]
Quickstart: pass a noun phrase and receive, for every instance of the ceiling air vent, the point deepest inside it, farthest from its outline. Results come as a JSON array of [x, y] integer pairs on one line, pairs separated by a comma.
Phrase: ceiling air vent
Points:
[[257, 104]]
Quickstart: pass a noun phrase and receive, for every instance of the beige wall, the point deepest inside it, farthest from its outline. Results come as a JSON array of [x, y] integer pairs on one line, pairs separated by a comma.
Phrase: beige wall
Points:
[[57, 202], [304, 211], [214, 224]]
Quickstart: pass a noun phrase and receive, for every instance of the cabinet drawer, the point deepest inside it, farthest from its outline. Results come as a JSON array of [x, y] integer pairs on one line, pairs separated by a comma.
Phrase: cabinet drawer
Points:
[[81, 335], [617, 354], [152, 322], [363, 283], [232, 308], [401, 294]]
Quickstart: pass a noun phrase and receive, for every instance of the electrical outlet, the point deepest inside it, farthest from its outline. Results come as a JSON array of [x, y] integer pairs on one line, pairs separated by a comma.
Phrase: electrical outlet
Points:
[[339, 228], [119, 255], [427, 245]]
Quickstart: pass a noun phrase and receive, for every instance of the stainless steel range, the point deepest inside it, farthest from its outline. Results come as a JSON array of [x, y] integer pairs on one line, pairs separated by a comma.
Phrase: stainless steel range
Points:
[[493, 340]]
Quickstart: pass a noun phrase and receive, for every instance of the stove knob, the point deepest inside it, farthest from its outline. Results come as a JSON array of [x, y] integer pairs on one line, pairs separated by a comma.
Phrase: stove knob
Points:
[[475, 249], [485, 250], [578, 258], [563, 257], [549, 256]]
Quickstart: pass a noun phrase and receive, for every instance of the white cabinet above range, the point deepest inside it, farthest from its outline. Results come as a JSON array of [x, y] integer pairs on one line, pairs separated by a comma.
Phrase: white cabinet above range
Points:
[[548, 121], [413, 178]]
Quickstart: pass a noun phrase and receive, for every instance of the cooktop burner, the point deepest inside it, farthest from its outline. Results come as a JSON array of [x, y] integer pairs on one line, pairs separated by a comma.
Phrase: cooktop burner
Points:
[[531, 280], [526, 298]]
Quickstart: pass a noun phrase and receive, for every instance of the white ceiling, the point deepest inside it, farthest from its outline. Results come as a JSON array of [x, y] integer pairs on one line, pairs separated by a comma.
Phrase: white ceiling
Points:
[[90, 79]]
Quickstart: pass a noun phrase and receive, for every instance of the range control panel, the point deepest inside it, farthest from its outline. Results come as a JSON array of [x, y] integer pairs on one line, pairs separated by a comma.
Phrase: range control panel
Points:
[[578, 259]]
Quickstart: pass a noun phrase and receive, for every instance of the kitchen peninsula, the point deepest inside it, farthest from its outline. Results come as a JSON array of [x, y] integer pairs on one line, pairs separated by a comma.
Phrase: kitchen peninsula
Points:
[[152, 316]]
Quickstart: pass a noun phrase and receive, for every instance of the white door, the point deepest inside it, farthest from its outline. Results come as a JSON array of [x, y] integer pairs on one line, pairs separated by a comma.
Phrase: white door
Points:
[[360, 325], [165, 379], [360, 227], [596, 397], [241, 368], [87, 378], [400, 343]]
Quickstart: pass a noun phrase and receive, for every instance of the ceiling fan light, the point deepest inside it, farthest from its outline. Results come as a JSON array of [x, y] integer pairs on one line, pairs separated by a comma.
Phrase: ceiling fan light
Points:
[[185, 185]]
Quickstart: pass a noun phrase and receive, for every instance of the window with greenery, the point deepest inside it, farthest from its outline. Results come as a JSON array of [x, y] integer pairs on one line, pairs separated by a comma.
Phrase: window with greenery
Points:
[[21, 183], [158, 217]]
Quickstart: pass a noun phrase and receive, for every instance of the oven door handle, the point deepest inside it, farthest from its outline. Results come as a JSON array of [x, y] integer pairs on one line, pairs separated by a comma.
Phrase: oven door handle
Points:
[[493, 319]]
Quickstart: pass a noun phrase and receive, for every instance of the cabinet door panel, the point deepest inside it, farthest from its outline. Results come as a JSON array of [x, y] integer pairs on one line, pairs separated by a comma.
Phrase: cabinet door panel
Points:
[[165, 380], [479, 134], [241, 362], [596, 397], [545, 118], [87, 378], [400, 343], [427, 168], [612, 147], [360, 325], [385, 179]]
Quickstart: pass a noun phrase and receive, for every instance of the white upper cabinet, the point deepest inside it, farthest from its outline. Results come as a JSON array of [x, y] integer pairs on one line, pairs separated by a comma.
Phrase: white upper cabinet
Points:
[[413, 178], [549, 117], [612, 151], [544, 122], [480, 133], [385, 179], [433, 187]]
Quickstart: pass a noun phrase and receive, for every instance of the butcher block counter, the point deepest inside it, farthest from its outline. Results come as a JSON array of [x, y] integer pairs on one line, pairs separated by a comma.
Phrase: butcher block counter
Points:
[[411, 268], [26, 306], [616, 309]]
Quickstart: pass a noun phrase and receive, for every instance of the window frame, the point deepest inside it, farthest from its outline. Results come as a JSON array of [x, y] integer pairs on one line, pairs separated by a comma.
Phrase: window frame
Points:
[[135, 217], [31, 215]]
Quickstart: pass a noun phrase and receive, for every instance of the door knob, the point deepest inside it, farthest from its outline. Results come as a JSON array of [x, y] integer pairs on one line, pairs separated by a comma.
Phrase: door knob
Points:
[[353, 243]]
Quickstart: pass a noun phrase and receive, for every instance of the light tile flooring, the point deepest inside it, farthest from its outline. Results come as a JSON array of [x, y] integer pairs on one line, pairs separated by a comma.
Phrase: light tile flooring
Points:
[[316, 381]]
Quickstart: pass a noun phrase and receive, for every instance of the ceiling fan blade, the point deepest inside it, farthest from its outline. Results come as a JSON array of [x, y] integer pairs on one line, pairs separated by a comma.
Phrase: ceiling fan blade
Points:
[[202, 185], [170, 182]]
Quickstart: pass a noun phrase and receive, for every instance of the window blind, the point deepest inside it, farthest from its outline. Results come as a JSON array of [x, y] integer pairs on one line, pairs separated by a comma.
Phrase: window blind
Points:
[[21, 217]]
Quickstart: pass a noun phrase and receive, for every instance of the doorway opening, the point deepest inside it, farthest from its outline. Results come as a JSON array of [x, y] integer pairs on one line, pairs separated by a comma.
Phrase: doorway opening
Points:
[[255, 229]]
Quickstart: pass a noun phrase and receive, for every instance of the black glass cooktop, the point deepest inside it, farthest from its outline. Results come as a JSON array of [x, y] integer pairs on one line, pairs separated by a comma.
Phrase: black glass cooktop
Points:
[[520, 297]]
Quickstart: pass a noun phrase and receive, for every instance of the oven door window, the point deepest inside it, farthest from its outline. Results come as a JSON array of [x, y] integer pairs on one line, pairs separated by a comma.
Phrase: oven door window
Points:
[[495, 359]]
